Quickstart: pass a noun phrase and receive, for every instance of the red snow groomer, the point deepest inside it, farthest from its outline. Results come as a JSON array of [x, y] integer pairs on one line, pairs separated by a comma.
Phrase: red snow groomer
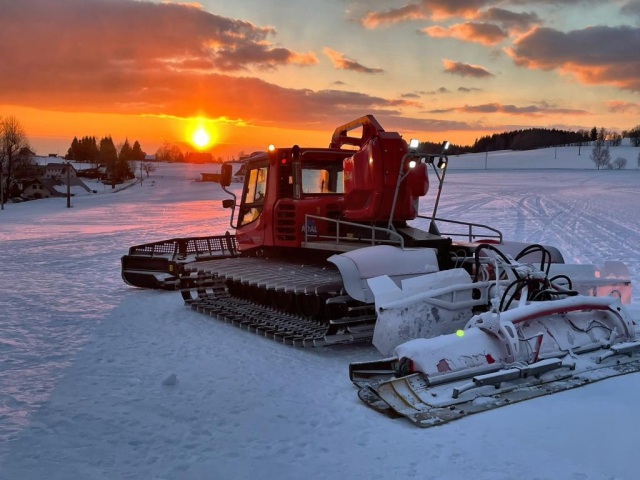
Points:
[[327, 249]]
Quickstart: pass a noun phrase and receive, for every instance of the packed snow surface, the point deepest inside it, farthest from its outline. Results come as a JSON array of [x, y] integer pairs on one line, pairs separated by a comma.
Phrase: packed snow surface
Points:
[[99, 380]]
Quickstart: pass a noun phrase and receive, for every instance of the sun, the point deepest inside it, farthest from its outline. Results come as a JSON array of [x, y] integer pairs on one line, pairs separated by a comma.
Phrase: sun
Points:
[[200, 138]]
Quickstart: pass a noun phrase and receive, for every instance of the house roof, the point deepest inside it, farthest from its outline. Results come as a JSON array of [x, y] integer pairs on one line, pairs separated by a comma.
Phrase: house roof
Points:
[[59, 165]]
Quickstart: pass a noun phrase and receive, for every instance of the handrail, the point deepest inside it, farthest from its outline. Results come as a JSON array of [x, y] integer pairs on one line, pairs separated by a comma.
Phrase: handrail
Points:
[[359, 225], [470, 235]]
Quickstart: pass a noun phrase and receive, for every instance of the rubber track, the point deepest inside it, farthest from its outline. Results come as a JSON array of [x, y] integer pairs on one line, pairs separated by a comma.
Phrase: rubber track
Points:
[[281, 327], [208, 281], [277, 275]]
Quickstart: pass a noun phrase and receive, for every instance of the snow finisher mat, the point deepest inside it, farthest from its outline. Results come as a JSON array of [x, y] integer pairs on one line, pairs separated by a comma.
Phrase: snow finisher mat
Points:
[[427, 404]]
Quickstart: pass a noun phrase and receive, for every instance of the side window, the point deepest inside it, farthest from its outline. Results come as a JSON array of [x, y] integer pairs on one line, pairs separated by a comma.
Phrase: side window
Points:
[[321, 180]]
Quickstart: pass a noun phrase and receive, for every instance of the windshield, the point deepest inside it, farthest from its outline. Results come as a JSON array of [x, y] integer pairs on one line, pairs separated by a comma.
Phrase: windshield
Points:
[[254, 193]]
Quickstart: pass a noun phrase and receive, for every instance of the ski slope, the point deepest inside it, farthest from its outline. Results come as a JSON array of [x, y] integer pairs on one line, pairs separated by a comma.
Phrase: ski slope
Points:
[[83, 357]]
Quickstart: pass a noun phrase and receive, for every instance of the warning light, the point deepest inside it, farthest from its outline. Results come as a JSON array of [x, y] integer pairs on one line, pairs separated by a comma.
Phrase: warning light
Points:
[[460, 333], [271, 147]]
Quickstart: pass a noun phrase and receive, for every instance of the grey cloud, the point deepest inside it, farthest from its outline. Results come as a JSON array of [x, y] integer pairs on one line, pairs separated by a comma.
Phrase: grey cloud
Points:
[[595, 55], [465, 70]]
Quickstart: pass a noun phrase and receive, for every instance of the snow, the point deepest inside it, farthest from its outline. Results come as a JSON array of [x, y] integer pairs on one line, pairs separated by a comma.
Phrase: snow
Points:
[[83, 357]]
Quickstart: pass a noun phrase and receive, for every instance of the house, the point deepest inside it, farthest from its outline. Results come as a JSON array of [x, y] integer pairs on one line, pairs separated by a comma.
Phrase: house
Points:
[[58, 170], [38, 188], [94, 172], [53, 187]]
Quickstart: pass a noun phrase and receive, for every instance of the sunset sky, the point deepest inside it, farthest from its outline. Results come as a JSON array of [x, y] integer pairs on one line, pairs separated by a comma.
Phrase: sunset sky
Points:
[[254, 72]]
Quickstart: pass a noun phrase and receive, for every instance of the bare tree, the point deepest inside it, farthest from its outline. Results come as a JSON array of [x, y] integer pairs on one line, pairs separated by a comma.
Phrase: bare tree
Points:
[[169, 153], [148, 167], [615, 139], [600, 156], [602, 136], [15, 151], [620, 163]]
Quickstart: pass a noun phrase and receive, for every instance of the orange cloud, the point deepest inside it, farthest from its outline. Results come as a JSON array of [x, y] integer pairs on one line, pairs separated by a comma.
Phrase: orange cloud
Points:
[[95, 35], [465, 69], [372, 19], [189, 4], [165, 59], [434, 9], [485, 33], [340, 61], [618, 106], [529, 110], [594, 55]]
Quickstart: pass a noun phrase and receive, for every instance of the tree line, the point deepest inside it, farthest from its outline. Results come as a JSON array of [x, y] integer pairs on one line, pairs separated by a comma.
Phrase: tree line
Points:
[[600, 155], [524, 139], [117, 159], [532, 138]]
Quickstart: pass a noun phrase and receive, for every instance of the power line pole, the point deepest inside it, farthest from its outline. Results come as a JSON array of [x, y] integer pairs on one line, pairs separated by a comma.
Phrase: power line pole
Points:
[[68, 184]]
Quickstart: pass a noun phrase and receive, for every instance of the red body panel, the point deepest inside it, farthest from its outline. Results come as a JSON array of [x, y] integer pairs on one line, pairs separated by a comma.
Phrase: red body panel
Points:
[[334, 183], [370, 179]]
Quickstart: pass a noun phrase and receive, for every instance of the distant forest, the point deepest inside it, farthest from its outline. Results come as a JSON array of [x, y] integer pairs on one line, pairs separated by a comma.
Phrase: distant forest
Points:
[[533, 138]]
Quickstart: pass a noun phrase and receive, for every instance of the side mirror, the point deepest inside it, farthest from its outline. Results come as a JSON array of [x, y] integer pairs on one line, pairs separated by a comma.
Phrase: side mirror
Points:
[[228, 203], [225, 175]]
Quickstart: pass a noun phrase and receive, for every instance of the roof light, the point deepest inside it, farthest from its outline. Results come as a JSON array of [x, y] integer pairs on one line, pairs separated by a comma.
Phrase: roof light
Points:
[[272, 147], [442, 163], [445, 145], [413, 143]]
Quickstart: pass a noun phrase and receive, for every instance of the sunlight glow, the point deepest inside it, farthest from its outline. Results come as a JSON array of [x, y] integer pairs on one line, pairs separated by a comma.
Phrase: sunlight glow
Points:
[[200, 138]]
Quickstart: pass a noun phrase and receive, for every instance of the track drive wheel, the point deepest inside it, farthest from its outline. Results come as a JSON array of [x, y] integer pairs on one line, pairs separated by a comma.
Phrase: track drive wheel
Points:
[[311, 306]]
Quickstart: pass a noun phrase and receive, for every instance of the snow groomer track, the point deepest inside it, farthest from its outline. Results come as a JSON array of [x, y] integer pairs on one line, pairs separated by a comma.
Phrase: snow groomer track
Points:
[[209, 286]]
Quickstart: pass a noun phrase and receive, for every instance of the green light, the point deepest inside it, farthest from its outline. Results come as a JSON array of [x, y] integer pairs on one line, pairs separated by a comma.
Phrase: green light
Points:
[[460, 333]]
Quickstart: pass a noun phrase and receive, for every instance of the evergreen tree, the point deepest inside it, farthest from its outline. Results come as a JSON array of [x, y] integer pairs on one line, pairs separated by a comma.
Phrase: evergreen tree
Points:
[[109, 157], [136, 152], [594, 134], [125, 152], [73, 149]]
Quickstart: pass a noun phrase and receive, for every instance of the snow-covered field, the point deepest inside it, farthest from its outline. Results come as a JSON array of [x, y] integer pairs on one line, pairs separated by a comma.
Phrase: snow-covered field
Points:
[[83, 357]]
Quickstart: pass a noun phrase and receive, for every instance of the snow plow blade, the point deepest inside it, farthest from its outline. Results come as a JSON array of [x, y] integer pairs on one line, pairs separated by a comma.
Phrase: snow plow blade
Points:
[[158, 265], [502, 359]]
